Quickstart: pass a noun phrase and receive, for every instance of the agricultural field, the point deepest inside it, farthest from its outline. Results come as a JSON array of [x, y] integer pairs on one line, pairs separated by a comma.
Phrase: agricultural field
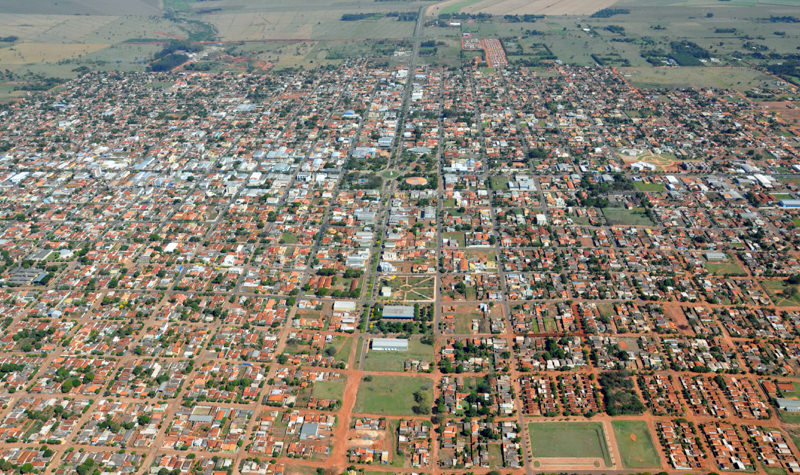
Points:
[[565, 440], [635, 444], [26, 53]]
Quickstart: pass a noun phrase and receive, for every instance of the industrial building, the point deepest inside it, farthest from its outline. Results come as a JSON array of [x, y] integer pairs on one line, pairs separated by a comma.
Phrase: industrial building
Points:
[[399, 312], [390, 344]]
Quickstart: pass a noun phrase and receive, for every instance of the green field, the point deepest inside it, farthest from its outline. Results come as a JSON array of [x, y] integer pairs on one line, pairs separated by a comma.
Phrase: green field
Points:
[[569, 439], [328, 389], [392, 395], [628, 217], [653, 187], [725, 268], [789, 417], [394, 360], [456, 7], [457, 237], [700, 76], [343, 346], [776, 289], [498, 182], [635, 444]]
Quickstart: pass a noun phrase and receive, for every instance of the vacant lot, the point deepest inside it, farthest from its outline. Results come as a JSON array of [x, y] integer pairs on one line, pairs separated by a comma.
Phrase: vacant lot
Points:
[[328, 389], [778, 293], [389, 395], [646, 186], [696, 76], [631, 217], [569, 440], [635, 444]]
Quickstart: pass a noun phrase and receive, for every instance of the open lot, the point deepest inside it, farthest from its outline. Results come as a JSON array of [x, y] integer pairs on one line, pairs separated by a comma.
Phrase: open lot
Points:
[[394, 360], [635, 444], [698, 76], [393, 395], [725, 268], [646, 186], [328, 389], [569, 440], [629, 217], [777, 293]]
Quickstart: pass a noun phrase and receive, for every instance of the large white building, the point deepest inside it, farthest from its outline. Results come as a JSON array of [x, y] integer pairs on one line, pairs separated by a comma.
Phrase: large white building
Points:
[[389, 344]]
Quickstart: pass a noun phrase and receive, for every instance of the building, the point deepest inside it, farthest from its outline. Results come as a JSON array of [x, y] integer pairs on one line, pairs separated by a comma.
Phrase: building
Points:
[[309, 430], [399, 312], [390, 344], [716, 256], [342, 306], [788, 405], [789, 203], [21, 276]]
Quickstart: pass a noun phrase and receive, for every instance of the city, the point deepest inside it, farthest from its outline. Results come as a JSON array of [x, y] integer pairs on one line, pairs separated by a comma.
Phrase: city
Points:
[[274, 277]]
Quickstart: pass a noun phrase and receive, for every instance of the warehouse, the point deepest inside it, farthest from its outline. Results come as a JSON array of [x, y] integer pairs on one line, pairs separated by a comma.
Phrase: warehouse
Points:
[[390, 344], [400, 312]]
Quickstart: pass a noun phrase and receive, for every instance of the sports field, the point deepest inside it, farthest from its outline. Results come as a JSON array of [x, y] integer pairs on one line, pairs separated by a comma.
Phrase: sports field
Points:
[[580, 440], [635, 444]]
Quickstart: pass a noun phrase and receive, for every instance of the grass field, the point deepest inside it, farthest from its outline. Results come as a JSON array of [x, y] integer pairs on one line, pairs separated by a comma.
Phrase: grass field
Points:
[[645, 186], [568, 440], [344, 346], [456, 7], [392, 395], [700, 76], [497, 182], [775, 289], [328, 389], [789, 417], [635, 444], [394, 360], [630, 217], [725, 268], [25, 53]]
